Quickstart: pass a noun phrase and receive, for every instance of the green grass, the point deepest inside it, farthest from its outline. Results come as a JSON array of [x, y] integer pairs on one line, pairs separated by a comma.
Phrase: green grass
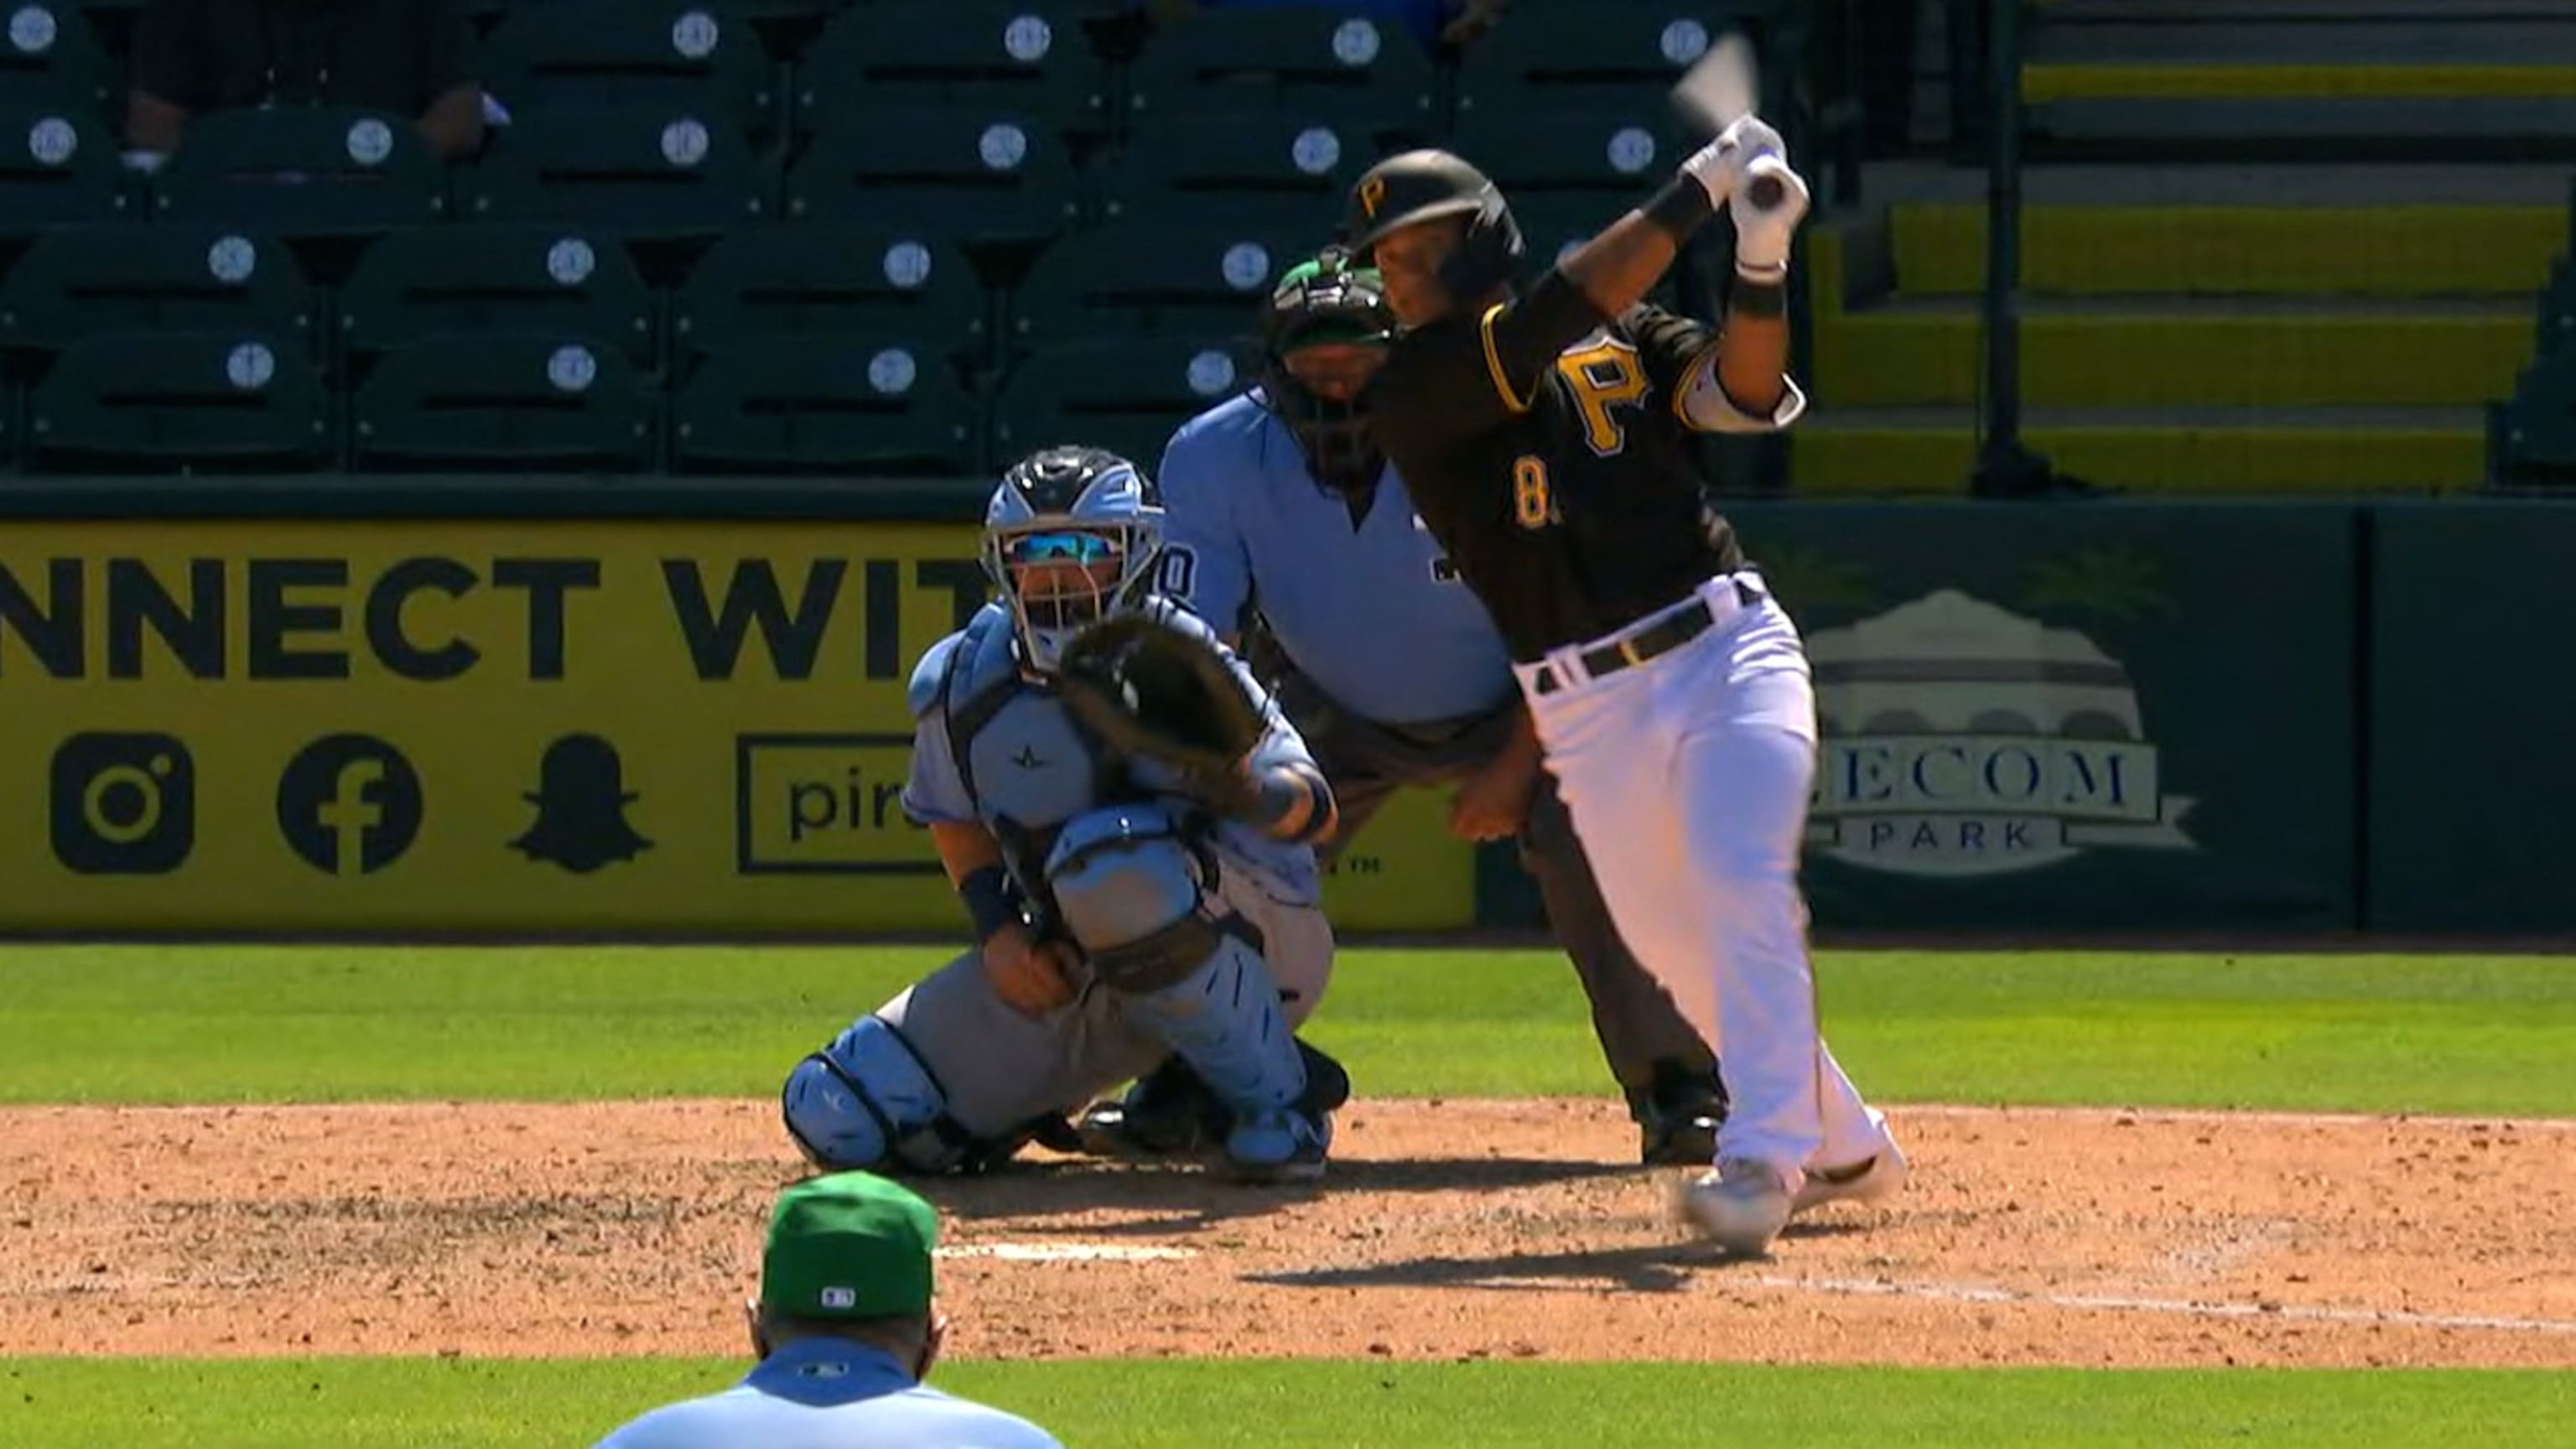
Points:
[[2486, 1035], [2453, 1034], [485, 1404]]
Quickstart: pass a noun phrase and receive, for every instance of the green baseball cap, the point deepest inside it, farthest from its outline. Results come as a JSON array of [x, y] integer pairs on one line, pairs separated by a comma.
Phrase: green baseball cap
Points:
[[850, 1245]]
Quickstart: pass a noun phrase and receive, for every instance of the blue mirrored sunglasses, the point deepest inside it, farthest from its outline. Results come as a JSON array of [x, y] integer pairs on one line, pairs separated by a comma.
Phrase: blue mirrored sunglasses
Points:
[[1036, 548]]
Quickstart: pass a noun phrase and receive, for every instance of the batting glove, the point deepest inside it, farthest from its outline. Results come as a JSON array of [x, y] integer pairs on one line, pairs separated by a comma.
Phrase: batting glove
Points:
[[1713, 167], [1762, 233]]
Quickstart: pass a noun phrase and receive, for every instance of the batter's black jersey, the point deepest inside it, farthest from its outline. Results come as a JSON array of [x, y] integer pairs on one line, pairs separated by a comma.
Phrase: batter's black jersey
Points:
[[1557, 476]]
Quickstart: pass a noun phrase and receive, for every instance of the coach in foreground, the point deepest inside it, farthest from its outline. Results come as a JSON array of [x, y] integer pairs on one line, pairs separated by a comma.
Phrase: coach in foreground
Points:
[[1545, 437], [845, 1330]]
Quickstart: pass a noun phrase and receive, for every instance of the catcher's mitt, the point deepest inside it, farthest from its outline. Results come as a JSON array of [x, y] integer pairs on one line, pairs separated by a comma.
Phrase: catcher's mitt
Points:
[[1150, 690]]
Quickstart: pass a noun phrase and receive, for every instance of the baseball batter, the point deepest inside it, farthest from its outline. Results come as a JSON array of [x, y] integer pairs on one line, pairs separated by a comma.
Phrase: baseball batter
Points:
[[1545, 438], [1117, 919], [1280, 504]]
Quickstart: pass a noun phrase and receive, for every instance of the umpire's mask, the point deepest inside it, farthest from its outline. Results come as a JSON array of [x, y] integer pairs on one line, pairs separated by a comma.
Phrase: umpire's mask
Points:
[[1325, 332]]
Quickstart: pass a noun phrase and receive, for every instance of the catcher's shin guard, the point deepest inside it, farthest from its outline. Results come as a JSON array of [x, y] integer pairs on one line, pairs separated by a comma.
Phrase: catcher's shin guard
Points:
[[867, 1102], [1130, 890]]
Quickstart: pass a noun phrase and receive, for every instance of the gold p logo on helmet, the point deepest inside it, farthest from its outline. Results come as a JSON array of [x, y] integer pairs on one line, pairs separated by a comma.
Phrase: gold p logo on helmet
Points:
[[1372, 193]]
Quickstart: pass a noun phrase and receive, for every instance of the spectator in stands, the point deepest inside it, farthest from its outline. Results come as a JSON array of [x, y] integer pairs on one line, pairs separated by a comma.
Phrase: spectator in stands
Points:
[[1435, 23], [845, 1331], [410, 57]]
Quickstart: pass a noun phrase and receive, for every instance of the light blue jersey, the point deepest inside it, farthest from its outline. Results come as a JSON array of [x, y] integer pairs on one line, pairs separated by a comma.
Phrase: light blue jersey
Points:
[[1370, 613], [823, 1393], [1027, 768]]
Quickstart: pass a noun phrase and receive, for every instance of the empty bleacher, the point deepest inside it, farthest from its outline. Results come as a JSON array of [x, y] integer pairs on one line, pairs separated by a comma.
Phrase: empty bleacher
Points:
[[764, 236], [2268, 247]]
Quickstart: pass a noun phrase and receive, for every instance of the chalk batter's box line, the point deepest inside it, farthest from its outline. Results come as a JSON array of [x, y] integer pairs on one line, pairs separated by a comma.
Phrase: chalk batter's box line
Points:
[[744, 863]]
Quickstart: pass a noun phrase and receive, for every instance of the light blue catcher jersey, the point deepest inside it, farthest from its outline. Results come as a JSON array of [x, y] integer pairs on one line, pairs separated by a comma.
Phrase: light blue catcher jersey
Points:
[[828, 1394], [1371, 614], [1028, 767]]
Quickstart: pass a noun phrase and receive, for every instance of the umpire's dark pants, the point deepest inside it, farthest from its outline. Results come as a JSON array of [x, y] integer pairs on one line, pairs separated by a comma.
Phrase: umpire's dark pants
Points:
[[1367, 762]]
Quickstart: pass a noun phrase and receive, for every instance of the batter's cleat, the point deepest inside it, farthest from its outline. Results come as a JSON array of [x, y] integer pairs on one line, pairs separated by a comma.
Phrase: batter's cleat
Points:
[[1740, 1207], [1169, 1112], [1279, 1145], [1678, 1117], [1872, 1179]]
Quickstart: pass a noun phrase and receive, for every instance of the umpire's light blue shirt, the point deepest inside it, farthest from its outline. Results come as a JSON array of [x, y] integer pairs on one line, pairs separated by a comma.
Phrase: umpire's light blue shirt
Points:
[[1369, 614], [819, 1393]]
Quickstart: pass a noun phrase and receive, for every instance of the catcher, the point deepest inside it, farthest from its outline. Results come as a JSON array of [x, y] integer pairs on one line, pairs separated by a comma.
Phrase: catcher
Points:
[[1128, 820]]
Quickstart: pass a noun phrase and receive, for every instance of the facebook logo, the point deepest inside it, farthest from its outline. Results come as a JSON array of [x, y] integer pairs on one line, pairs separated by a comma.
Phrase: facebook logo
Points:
[[349, 804]]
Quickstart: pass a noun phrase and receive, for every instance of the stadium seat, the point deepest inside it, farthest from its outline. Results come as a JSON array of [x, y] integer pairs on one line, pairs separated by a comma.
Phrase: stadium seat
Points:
[[1125, 394], [51, 56], [642, 172], [678, 55], [771, 282], [966, 172], [1569, 56], [301, 171], [58, 167], [1318, 62], [1555, 222], [178, 402], [825, 405], [1023, 56], [1146, 278], [1286, 171], [531, 401], [426, 281], [83, 281], [1604, 158], [1552, 223]]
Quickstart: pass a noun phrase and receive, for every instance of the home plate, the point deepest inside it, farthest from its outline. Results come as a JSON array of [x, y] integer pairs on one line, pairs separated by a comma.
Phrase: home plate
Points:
[[1067, 1252]]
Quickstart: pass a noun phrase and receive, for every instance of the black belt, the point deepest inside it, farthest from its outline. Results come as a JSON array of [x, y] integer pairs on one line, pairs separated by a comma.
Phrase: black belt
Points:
[[1661, 637]]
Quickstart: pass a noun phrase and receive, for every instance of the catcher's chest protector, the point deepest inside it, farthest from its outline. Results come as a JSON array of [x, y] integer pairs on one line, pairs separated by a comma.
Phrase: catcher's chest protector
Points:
[[1028, 766]]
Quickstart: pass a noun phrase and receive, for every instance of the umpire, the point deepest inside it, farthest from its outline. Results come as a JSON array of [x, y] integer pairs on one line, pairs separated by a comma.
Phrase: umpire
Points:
[[1283, 521]]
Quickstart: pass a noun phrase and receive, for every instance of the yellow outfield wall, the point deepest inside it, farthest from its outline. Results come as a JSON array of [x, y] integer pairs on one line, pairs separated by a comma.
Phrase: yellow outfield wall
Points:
[[575, 726]]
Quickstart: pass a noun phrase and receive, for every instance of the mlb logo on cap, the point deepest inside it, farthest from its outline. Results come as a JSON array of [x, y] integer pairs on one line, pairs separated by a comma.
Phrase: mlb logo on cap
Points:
[[840, 1297]]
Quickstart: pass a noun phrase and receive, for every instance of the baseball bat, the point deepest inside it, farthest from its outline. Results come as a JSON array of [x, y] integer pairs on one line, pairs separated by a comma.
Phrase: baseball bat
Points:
[[1721, 88]]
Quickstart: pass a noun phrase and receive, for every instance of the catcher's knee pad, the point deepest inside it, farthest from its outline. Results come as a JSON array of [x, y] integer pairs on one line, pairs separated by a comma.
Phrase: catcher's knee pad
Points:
[[1131, 888], [867, 1102]]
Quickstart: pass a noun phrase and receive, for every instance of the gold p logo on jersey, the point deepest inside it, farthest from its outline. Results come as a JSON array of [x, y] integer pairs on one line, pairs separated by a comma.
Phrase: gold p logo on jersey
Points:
[[1372, 192]]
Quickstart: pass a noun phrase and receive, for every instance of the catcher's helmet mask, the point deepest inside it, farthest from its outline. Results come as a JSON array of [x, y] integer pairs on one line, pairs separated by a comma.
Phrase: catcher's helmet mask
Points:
[[1328, 300], [1418, 186], [1060, 517]]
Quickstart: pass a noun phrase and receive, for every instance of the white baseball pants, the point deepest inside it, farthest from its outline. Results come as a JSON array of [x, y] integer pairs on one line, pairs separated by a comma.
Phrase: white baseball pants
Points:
[[1687, 777]]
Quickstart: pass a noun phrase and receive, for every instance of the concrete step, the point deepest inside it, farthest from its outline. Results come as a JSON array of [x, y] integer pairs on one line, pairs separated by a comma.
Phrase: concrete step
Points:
[[1846, 452], [2302, 53], [2171, 352], [2246, 77], [2316, 13], [2319, 128], [2394, 249], [2458, 181]]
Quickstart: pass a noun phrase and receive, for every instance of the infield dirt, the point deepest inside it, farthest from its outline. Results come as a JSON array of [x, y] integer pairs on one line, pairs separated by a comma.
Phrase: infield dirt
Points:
[[1458, 1229]]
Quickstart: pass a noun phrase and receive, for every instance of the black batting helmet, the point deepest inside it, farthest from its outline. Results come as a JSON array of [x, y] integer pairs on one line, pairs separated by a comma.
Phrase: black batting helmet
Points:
[[1413, 186]]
